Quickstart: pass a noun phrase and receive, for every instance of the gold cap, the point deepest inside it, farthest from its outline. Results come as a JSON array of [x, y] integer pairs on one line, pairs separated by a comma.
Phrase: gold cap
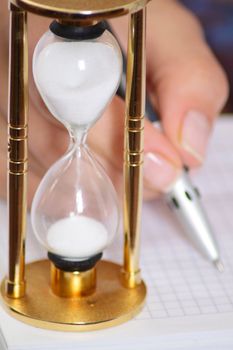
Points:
[[72, 284]]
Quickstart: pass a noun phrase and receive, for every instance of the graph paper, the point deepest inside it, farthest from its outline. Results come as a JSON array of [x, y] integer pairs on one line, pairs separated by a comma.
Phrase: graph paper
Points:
[[186, 294], [180, 281]]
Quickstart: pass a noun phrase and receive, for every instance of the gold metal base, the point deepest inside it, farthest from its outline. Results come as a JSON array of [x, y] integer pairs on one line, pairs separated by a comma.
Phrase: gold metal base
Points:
[[15, 290], [72, 284], [109, 305]]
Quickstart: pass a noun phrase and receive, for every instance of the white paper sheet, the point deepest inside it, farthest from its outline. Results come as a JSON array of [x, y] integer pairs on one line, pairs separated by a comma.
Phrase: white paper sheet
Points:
[[189, 304]]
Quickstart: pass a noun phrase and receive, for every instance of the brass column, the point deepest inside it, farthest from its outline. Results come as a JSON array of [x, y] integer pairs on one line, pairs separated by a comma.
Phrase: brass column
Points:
[[17, 161], [133, 153]]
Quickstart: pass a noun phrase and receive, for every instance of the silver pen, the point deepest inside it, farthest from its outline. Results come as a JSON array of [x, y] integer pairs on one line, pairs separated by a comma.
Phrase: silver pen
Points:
[[184, 199]]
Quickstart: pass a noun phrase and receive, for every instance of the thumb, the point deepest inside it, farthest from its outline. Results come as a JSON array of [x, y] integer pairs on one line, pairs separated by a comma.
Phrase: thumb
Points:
[[187, 82], [189, 99]]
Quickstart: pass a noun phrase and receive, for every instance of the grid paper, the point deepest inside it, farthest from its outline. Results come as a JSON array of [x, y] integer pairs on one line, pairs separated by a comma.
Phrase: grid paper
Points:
[[180, 281]]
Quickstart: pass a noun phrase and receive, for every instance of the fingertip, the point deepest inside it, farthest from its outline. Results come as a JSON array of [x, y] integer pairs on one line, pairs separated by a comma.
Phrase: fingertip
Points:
[[191, 136], [194, 136], [162, 164], [156, 142]]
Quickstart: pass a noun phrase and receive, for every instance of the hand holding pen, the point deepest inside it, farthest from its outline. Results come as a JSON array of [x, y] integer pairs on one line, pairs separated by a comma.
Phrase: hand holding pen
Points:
[[182, 197], [182, 71]]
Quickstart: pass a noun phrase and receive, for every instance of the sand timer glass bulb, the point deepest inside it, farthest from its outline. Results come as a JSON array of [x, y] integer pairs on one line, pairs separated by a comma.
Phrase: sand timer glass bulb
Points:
[[74, 212]]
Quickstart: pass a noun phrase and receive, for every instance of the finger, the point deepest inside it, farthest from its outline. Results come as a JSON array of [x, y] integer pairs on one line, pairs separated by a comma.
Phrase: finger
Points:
[[188, 85], [47, 140], [162, 163]]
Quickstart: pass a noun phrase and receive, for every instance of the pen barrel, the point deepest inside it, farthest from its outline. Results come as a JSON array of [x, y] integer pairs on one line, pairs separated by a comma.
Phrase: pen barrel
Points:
[[133, 147], [18, 153], [185, 202]]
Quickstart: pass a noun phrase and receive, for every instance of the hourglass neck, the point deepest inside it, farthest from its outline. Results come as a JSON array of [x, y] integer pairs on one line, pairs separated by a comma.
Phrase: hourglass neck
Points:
[[78, 135]]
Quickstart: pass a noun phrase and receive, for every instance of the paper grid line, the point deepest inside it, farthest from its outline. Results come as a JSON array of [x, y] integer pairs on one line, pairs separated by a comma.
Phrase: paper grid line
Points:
[[180, 282]]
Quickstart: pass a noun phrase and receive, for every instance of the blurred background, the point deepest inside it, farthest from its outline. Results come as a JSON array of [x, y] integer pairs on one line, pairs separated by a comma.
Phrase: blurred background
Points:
[[216, 17]]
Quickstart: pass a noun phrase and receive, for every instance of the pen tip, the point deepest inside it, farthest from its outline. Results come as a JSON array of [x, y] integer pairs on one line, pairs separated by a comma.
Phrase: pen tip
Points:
[[219, 265]]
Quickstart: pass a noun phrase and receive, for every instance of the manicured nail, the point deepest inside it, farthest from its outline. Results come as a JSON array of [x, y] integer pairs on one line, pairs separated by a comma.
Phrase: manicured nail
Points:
[[159, 173], [195, 134]]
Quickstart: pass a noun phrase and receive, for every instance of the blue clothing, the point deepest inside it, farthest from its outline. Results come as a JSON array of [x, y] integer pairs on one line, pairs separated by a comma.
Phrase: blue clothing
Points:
[[216, 17]]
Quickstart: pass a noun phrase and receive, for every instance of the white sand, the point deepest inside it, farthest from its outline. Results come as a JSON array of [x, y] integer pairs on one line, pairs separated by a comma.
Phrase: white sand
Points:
[[77, 237], [77, 79]]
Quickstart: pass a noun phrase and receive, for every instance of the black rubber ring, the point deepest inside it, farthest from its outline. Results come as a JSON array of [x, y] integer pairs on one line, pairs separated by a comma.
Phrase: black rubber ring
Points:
[[78, 33], [71, 265]]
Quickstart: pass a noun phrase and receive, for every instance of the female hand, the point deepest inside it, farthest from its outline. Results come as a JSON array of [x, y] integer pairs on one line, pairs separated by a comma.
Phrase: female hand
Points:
[[186, 84]]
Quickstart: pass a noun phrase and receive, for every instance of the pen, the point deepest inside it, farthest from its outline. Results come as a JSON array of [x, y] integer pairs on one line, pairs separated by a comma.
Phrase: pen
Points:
[[184, 199]]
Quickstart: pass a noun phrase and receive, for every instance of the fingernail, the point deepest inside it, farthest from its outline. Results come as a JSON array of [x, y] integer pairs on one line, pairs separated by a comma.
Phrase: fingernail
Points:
[[195, 134], [159, 173]]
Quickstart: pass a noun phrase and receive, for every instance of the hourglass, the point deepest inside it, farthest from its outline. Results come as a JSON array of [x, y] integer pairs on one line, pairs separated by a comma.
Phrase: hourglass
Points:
[[75, 212], [75, 215]]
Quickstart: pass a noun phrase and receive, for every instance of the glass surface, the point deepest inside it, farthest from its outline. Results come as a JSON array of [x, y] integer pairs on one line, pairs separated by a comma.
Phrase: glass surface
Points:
[[75, 212], [77, 79]]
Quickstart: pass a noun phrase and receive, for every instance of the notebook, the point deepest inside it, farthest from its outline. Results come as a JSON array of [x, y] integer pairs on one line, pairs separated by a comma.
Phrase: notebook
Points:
[[189, 304]]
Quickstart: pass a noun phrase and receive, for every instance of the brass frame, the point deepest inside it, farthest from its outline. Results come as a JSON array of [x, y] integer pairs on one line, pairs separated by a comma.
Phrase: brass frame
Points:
[[13, 288], [17, 147], [81, 9], [133, 153]]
